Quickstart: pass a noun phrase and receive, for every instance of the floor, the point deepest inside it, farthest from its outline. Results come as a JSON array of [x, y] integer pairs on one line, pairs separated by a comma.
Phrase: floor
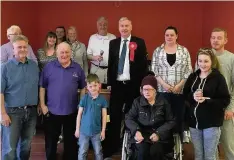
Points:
[[38, 152]]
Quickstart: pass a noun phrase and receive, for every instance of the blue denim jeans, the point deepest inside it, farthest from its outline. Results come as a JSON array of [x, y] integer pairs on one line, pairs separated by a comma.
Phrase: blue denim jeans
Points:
[[84, 146], [19, 133], [205, 142]]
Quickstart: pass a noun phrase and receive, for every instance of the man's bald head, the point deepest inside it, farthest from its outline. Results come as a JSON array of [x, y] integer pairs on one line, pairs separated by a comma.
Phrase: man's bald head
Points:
[[64, 53]]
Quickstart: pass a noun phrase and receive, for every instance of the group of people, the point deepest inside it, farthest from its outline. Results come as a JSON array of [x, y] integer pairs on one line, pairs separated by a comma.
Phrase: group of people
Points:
[[155, 106], [203, 98]]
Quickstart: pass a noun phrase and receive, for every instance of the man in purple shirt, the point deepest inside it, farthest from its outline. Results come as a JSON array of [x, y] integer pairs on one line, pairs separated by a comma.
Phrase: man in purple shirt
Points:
[[7, 49], [61, 79]]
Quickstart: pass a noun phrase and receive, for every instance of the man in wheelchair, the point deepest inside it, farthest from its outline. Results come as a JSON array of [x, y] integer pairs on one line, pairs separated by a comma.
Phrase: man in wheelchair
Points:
[[151, 122]]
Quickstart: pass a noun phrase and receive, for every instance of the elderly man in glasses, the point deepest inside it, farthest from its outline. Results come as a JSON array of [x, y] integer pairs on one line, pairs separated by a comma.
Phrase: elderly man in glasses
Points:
[[98, 50], [7, 49]]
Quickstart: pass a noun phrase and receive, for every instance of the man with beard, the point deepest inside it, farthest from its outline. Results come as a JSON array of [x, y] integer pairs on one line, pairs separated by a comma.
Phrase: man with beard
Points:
[[226, 59], [61, 34]]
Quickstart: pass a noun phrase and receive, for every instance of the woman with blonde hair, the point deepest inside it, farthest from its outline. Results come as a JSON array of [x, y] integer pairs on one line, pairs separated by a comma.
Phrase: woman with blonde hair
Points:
[[79, 54]]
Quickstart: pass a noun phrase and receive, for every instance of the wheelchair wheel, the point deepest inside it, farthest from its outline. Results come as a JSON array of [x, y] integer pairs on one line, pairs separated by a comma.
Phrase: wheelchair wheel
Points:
[[177, 147], [126, 150], [124, 146]]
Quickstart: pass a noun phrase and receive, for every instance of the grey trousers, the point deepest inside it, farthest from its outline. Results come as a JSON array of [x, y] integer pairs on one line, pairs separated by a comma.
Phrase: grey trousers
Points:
[[101, 73], [227, 139]]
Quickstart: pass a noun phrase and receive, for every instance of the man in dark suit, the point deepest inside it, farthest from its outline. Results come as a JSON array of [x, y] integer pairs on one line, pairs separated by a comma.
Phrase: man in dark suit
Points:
[[127, 66]]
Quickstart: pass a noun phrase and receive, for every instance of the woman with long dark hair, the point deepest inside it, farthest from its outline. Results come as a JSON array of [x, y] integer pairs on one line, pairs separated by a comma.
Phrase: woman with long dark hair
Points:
[[47, 53], [171, 64]]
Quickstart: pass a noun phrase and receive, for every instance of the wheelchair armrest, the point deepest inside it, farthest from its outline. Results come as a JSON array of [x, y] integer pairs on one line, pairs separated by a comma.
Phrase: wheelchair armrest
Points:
[[127, 131]]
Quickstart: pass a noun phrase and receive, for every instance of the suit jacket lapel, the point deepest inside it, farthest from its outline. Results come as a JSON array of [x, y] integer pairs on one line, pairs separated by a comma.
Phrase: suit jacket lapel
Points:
[[118, 46]]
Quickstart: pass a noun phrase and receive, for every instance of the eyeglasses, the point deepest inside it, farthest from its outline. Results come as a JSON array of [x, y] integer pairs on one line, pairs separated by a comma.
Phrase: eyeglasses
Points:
[[148, 90], [13, 34]]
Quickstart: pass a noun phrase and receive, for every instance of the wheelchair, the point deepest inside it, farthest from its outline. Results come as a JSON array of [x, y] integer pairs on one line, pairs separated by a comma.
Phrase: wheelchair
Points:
[[128, 151]]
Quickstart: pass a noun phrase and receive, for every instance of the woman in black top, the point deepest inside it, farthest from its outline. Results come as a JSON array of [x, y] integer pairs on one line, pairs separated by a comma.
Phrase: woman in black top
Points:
[[207, 96]]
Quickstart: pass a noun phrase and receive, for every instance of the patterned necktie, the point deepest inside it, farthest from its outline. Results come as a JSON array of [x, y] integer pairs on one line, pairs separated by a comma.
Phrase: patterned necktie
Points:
[[122, 58]]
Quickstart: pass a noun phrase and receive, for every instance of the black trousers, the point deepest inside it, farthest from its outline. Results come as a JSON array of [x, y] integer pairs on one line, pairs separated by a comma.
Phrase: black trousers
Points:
[[53, 125], [178, 108], [155, 151], [122, 94]]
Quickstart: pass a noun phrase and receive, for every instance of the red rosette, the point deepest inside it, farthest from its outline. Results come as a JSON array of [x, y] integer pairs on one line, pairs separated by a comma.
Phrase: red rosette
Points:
[[132, 48]]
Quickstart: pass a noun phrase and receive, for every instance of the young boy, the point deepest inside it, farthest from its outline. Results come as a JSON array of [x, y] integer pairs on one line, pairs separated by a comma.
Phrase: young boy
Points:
[[91, 119]]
